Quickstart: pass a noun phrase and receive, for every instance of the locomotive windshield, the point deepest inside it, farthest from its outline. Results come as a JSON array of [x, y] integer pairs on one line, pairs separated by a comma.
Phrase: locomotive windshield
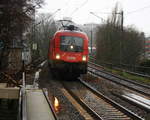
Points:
[[71, 44]]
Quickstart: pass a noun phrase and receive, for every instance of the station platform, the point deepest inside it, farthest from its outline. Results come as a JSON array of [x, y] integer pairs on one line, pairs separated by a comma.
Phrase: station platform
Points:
[[37, 106], [8, 92], [33, 103]]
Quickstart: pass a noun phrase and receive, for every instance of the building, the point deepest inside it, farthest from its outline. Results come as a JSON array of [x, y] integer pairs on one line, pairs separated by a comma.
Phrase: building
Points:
[[91, 30]]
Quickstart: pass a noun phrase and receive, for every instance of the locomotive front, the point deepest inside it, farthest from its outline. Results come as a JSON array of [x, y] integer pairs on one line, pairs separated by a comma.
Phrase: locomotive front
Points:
[[70, 53]]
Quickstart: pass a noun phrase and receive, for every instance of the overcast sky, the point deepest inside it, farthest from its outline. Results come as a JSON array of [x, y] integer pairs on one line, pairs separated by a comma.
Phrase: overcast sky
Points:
[[136, 12]]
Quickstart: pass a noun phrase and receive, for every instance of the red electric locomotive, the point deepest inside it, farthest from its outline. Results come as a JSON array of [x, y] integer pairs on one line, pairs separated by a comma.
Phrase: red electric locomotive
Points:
[[68, 52]]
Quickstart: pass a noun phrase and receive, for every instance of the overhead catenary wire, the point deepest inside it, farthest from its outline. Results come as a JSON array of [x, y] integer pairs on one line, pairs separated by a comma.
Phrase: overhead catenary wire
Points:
[[130, 12], [85, 2], [138, 10], [66, 6]]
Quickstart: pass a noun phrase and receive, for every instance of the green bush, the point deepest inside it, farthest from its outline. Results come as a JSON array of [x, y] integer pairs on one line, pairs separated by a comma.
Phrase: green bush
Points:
[[145, 66]]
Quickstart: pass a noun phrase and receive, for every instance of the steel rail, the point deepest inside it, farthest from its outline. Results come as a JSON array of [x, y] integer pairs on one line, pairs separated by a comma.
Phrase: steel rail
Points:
[[132, 102], [50, 104], [131, 81], [109, 76], [83, 104], [130, 72], [113, 103]]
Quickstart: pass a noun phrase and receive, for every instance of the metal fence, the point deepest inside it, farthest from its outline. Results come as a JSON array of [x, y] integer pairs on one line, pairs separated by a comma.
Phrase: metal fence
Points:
[[133, 69]]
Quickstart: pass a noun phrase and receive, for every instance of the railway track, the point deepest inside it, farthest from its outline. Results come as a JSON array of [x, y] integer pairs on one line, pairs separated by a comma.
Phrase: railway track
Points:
[[136, 100], [130, 84], [96, 104]]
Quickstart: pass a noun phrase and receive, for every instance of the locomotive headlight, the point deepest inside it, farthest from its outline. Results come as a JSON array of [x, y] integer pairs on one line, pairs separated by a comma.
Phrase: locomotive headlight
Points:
[[57, 56], [71, 47], [83, 58]]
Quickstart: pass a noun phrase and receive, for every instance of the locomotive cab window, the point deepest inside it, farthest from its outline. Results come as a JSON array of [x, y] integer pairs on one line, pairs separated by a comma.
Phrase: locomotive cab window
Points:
[[71, 43]]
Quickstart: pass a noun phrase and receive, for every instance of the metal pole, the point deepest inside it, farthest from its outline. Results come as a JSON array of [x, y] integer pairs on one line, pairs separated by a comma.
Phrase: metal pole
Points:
[[122, 21], [23, 75], [91, 39], [24, 111]]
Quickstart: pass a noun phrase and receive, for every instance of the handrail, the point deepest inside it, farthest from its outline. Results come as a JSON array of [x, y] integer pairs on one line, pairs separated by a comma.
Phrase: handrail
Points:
[[24, 105], [20, 107]]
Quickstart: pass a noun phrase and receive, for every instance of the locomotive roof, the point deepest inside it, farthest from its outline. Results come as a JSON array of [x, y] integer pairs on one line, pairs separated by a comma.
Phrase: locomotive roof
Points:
[[70, 31]]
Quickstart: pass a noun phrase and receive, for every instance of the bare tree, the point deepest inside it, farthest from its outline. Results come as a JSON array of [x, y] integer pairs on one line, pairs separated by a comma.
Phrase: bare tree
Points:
[[42, 31], [118, 45], [14, 19]]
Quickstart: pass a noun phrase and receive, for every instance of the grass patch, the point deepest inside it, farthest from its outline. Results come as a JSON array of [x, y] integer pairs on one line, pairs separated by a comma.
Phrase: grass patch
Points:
[[138, 78], [129, 76]]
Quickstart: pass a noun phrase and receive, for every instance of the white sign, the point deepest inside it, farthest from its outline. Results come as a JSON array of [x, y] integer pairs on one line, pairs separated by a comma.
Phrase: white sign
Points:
[[34, 46]]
